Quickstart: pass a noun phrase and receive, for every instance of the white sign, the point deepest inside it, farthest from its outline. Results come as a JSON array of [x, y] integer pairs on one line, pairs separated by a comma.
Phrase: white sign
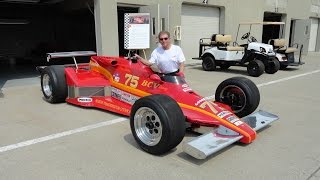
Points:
[[136, 30]]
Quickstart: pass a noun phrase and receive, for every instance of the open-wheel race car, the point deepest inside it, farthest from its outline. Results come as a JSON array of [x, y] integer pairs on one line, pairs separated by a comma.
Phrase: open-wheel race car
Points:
[[160, 106]]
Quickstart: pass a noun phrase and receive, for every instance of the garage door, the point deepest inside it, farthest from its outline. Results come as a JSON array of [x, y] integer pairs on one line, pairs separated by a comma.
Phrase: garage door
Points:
[[313, 34], [197, 22]]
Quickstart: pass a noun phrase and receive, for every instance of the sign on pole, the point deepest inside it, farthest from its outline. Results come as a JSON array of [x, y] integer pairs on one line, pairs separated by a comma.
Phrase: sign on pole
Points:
[[137, 30]]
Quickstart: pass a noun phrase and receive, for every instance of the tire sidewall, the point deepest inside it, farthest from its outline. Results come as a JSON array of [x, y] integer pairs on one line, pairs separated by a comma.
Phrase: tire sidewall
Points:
[[248, 87], [58, 83], [172, 122], [255, 68], [208, 59]]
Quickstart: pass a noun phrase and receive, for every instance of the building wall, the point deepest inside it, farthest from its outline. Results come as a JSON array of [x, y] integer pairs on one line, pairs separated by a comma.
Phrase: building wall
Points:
[[232, 13]]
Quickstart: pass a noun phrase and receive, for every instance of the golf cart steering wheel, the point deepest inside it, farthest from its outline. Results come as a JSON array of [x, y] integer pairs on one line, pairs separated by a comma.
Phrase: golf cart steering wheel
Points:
[[245, 36], [253, 39]]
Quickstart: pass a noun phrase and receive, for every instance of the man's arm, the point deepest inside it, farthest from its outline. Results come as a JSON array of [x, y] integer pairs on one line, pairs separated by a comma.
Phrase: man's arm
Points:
[[181, 67], [144, 61]]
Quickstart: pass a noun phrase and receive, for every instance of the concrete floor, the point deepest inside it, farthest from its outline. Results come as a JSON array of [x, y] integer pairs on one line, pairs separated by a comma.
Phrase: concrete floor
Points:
[[288, 149]]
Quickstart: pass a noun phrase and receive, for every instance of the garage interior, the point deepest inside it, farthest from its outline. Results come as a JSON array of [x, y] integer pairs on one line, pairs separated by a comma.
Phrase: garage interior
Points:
[[272, 31], [32, 28]]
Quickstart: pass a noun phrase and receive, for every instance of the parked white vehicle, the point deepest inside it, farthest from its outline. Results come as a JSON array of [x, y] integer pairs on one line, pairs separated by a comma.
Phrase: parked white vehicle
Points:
[[257, 57]]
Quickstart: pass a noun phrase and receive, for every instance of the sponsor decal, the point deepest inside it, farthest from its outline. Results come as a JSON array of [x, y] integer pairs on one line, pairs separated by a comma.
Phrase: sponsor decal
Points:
[[238, 123], [232, 119], [186, 88], [116, 77], [149, 84], [204, 99], [113, 106], [84, 99], [123, 96], [224, 114]]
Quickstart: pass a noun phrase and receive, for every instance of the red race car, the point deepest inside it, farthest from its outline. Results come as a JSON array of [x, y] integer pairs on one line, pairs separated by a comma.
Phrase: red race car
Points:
[[160, 106]]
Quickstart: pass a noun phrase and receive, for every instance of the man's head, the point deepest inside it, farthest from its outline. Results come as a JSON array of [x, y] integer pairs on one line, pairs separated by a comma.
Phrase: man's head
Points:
[[164, 39]]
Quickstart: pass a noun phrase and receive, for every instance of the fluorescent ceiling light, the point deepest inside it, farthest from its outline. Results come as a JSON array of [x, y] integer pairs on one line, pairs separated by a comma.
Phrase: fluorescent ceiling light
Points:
[[13, 22], [22, 1]]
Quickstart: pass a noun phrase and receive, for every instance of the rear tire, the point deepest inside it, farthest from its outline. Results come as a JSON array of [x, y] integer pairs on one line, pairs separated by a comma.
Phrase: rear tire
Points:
[[157, 123], [255, 68], [53, 84], [272, 66], [240, 93], [208, 63]]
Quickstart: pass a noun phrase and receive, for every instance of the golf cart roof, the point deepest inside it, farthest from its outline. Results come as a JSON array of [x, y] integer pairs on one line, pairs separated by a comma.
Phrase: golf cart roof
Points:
[[262, 23]]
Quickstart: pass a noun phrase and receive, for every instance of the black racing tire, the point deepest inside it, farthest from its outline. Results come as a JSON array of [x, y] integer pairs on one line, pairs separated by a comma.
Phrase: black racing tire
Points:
[[240, 93], [208, 63], [272, 66], [224, 66], [255, 68], [53, 84], [157, 123], [283, 66]]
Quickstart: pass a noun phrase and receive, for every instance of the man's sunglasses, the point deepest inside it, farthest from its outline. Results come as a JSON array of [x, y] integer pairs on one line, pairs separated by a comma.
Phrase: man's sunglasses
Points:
[[161, 39]]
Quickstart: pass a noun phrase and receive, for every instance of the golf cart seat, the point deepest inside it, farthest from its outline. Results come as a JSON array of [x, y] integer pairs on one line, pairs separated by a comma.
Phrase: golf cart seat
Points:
[[279, 45], [223, 43]]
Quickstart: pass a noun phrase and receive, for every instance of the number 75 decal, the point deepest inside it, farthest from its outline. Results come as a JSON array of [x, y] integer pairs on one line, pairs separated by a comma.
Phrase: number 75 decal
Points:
[[131, 80]]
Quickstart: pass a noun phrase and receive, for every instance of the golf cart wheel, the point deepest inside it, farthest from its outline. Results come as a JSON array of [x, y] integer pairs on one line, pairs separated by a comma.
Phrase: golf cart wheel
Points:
[[272, 66], [53, 84], [157, 123], [255, 68], [208, 63], [240, 93], [224, 66], [282, 66]]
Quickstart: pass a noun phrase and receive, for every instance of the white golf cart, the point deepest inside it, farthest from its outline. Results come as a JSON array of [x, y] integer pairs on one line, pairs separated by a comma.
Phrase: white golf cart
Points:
[[257, 57], [285, 54]]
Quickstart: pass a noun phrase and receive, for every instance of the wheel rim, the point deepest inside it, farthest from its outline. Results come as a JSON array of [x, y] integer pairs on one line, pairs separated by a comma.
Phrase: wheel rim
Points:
[[46, 85], [148, 126], [235, 97]]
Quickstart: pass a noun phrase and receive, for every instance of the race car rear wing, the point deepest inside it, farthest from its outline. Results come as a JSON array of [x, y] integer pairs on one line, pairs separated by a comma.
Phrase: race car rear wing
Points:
[[72, 54]]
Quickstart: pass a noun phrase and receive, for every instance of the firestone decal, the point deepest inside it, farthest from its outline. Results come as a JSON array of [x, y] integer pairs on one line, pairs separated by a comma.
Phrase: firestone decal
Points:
[[84, 99]]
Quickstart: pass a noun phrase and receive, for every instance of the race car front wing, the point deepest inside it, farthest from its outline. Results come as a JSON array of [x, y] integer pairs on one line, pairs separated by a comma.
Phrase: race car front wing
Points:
[[207, 144]]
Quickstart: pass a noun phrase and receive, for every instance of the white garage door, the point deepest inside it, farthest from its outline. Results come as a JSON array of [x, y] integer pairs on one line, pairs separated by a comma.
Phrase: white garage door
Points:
[[197, 22], [313, 34]]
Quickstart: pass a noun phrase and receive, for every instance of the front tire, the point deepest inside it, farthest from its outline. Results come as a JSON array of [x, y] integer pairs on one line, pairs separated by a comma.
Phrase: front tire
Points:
[[53, 84], [255, 68], [272, 66], [208, 63], [157, 123], [240, 93]]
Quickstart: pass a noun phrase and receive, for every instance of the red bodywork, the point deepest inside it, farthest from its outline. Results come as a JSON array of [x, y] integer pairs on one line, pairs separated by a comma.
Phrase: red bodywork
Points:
[[124, 82]]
